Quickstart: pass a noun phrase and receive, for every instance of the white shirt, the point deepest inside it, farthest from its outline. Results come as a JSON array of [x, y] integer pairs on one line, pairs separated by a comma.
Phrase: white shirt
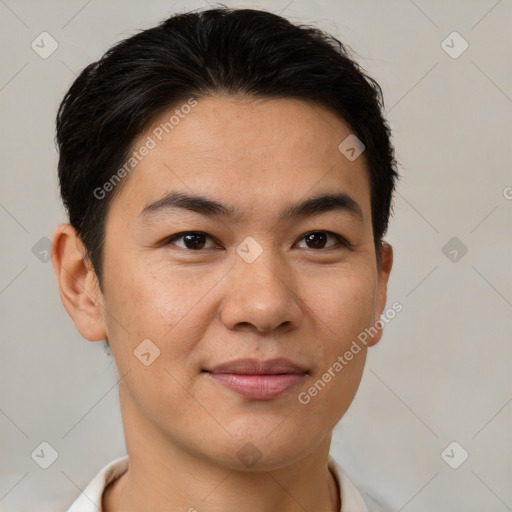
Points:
[[90, 499]]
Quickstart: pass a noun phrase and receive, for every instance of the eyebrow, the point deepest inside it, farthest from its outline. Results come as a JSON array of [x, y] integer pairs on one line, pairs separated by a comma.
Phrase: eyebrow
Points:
[[208, 207]]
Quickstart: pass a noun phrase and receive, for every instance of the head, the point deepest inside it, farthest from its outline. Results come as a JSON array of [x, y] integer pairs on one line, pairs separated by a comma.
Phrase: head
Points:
[[215, 212]]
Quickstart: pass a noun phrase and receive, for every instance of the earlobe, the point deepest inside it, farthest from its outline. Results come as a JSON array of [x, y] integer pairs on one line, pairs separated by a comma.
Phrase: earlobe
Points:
[[384, 271], [78, 284]]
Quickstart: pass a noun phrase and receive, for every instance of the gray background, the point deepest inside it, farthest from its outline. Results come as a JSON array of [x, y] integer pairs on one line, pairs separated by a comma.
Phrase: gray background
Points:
[[442, 371]]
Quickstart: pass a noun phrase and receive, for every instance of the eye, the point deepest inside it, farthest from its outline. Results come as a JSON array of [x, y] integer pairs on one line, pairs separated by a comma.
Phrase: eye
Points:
[[196, 240], [318, 239], [193, 240]]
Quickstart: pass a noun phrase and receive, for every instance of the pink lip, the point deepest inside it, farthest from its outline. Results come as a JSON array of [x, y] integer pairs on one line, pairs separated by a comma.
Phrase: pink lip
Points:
[[258, 380]]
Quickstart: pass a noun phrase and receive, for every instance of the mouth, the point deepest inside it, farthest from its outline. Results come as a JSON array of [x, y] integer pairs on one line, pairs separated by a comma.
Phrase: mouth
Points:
[[258, 380]]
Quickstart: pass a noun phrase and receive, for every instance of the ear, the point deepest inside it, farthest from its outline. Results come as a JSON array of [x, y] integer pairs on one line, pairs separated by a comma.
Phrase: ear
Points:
[[78, 285], [384, 269]]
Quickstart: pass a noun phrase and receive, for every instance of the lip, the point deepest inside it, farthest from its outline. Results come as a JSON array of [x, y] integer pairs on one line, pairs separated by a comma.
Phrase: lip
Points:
[[258, 380]]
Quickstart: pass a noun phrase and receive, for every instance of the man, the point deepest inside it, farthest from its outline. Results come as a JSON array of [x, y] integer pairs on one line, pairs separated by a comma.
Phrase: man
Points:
[[228, 178]]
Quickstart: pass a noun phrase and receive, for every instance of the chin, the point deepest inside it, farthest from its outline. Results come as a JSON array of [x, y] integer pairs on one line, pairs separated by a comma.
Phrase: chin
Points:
[[262, 444]]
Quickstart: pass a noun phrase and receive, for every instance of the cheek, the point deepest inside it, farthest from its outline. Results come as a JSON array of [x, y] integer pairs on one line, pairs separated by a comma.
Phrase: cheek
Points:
[[153, 300], [330, 393], [343, 313], [345, 303], [140, 292]]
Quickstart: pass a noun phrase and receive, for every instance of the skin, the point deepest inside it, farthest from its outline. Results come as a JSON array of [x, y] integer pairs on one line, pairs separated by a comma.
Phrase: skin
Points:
[[204, 307]]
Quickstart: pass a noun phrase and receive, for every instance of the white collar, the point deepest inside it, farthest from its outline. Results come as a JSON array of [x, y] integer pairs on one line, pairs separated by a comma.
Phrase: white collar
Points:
[[90, 499]]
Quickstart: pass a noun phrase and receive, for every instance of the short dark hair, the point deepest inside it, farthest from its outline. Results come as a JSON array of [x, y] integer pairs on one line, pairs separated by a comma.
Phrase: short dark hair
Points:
[[202, 53]]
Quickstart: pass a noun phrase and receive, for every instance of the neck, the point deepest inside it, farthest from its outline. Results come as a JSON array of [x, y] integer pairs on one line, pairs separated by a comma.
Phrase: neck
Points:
[[272, 491], [164, 476]]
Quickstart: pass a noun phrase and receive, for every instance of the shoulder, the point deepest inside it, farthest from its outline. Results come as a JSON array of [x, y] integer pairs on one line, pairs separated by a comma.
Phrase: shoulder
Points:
[[352, 499], [91, 497]]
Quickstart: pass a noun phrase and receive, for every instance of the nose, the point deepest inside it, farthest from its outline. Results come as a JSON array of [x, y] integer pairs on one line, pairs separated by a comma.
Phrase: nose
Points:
[[261, 296]]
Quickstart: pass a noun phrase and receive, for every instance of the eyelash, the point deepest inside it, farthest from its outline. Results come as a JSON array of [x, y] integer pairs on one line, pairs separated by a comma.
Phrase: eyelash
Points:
[[177, 236]]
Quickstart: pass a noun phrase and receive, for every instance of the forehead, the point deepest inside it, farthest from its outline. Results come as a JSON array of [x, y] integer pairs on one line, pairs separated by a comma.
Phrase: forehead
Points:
[[254, 152]]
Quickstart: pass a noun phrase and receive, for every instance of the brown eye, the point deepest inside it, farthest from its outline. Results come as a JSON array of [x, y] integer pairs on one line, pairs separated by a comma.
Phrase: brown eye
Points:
[[319, 240], [192, 240]]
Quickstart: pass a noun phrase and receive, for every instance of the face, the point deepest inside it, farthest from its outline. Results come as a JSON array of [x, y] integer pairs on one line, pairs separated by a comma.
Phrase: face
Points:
[[243, 277]]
